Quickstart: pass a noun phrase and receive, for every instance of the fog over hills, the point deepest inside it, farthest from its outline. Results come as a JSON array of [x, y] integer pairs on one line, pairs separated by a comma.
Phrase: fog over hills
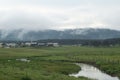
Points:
[[84, 33]]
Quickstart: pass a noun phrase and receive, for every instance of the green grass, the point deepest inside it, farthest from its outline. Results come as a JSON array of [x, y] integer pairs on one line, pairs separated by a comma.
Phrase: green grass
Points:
[[50, 63]]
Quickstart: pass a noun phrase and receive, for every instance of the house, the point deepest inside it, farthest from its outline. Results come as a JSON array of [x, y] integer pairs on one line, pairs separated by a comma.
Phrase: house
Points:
[[52, 44], [34, 44], [13, 45], [31, 44], [27, 44], [41, 44]]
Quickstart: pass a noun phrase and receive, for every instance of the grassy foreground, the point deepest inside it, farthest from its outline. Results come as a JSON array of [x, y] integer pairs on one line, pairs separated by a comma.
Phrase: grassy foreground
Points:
[[49, 63]]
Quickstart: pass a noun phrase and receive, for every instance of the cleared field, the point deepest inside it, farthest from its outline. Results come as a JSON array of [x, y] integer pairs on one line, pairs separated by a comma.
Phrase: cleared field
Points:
[[50, 63]]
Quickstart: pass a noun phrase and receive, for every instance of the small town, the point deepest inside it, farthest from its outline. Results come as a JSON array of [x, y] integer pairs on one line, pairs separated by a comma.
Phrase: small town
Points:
[[27, 44]]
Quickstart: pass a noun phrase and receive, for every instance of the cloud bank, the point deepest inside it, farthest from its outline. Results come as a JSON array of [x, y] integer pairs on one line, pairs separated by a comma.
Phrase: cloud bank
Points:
[[59, 14]]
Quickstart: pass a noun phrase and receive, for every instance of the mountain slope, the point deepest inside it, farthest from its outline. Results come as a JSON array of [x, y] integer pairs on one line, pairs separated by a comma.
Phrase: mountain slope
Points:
[[87, 33]]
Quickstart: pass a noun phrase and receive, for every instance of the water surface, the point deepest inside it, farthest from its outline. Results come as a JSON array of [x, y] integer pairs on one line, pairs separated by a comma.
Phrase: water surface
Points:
[[92, 72]]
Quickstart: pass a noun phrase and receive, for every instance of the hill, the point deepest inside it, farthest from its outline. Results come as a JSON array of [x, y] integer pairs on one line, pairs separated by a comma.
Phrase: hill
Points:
[[86, 33]]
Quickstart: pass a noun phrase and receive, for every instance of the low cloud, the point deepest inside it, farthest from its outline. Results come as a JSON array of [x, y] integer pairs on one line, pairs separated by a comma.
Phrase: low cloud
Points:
[[39, 15]]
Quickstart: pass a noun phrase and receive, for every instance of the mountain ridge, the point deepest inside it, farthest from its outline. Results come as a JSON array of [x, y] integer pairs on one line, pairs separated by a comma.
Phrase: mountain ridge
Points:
[[86, 33]]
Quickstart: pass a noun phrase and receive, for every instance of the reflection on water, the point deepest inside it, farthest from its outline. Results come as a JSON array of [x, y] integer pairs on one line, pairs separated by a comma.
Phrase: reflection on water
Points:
[[23, 60], [92, 72]]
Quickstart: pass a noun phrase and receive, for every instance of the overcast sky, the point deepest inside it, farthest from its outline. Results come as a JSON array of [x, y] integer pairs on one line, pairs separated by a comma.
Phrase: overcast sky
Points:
[[59, 14]]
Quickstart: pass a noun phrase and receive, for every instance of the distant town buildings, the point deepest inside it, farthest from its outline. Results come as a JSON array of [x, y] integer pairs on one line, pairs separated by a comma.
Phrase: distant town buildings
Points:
[[52, 44], [27, 44]]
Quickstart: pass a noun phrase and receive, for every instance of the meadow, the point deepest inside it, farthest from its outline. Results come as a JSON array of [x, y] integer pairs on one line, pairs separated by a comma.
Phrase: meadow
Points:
[[55, 63]]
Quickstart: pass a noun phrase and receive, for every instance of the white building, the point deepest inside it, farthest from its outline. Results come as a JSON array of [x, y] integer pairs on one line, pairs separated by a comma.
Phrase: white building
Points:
[[11, 45], [53, 44]]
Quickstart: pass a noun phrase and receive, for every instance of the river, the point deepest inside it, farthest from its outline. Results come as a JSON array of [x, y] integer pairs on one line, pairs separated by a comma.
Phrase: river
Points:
[[92, 72]]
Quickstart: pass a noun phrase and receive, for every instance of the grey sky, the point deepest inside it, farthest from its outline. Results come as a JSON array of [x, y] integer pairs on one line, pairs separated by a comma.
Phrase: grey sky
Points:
[[59, 14]]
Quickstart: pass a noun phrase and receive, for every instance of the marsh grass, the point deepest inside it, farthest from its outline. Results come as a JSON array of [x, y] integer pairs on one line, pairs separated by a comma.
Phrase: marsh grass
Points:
[[50, 63]]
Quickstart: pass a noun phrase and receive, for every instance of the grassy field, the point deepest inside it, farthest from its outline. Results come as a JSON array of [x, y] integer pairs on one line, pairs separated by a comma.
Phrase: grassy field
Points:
[[50, 63]]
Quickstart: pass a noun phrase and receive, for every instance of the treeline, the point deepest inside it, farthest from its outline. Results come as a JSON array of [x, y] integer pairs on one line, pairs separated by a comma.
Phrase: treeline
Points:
[[106, 42], [80, 42]]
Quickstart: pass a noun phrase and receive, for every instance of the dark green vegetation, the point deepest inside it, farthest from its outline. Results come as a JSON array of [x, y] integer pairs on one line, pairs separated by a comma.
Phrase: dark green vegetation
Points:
[[85, 42], [50, 63]]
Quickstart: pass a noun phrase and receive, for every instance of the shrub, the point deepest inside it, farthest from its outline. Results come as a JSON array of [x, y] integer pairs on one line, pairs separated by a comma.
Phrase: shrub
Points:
[[26, 78]]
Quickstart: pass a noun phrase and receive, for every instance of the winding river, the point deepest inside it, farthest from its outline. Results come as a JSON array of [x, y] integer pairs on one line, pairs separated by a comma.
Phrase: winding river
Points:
[[92, 72]]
